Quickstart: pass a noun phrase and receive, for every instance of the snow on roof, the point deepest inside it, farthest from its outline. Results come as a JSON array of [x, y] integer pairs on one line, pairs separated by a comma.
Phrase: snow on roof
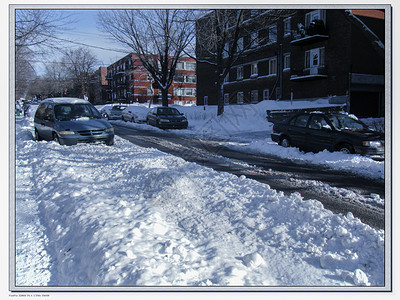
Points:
[[66, 100]]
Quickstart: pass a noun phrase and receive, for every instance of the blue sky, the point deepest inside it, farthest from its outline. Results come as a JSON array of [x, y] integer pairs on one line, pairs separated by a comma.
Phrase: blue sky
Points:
[[83, 29]]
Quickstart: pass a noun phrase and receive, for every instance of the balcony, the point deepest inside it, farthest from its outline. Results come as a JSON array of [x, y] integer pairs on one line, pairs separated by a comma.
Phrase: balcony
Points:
[[316, 32], [310, 74]]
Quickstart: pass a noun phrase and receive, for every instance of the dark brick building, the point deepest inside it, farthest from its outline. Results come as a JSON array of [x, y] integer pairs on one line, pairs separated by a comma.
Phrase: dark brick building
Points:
[[305, 54]]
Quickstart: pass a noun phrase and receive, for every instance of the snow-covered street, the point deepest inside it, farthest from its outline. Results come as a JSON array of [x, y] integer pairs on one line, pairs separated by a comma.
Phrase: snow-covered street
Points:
[[92, 215]]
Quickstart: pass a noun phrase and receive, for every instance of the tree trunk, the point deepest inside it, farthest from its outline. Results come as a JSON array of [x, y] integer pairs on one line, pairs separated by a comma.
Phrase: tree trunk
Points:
[[164, 95], [220, 98]]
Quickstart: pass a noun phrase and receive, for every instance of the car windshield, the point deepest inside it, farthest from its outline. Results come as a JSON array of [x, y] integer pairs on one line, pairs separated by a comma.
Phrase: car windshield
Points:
[[344, 122], [119, 108], [168, 111], [65, 112]]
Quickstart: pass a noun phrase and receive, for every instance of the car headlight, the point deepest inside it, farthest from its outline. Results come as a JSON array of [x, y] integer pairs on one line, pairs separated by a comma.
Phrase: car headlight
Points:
[[372, 143], [164, 120], [111, 129], [66, 132]]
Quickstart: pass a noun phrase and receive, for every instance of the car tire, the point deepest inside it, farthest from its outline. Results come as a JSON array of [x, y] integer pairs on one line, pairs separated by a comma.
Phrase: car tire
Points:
[[55, 138], [133, 120], [346, 149], [37, 136], [284, 142]]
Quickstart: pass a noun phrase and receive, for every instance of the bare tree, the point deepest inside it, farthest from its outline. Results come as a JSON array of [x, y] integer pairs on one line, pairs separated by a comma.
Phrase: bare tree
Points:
[[220, 40], [157, 37], [35, 34], [79, 63]]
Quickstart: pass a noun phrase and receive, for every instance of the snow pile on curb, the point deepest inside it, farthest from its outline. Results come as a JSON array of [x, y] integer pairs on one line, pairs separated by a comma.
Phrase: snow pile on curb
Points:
[[130, 216]]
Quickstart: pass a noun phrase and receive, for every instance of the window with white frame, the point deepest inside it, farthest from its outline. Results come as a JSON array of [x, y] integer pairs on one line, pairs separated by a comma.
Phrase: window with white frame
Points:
[[226, 78], [286, 61], [254, 96], [225, 53], [179, 78], [226, 98], [190, 66], [272, 33], [254, 39], [319, 14], [190, 92], [254, 70], [191, 79], [272, 66], [239, 47], [286, 26], [240, 98], [239, 72], [180, 65], [314, 58], [266, 94], [179, 92]]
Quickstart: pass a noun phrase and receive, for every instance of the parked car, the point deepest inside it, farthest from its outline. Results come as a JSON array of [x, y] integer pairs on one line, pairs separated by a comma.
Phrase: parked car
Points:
[[115, 112], [135, 113], [317, 131], [70, 121], [166, 117]]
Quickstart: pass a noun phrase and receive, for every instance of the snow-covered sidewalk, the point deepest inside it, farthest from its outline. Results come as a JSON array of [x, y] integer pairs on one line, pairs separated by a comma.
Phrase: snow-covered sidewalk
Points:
[[130, 216]]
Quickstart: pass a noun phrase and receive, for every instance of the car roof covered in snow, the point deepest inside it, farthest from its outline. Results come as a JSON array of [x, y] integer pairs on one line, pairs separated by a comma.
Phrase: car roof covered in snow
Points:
[[66, 100]]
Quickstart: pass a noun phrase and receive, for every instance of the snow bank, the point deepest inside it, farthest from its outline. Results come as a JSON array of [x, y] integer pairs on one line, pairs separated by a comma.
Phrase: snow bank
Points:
[[246, 128], [130, 216]]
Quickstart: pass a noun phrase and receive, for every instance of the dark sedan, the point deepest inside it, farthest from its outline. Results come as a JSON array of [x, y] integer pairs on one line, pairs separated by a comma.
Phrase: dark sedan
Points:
[[317, 131], [166, 117]]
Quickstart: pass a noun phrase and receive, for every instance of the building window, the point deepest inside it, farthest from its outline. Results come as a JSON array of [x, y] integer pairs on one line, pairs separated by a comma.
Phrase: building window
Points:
[[239, 47], [226, 78], [191, 79], [273, 66], [226, 98], [254, 96], [190, 66], [318, 14], [314, 58], [190, 92], [254, 40], [286, 61], [180, 65], [286, 27], [179, 92], [239, 72], [240, 98], [179, 78], [149, 92], [225, 53], [254, 70], [266, 94], [272, 33]]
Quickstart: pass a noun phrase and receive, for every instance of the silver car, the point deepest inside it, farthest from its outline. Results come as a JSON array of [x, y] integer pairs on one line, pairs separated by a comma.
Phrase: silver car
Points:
[[70, 121]]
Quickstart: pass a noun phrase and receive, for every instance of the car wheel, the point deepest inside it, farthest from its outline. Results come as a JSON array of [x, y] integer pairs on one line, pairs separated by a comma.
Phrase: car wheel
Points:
[[133, 120], [285, 142], [55, 138], [37, 136], [346, 148]]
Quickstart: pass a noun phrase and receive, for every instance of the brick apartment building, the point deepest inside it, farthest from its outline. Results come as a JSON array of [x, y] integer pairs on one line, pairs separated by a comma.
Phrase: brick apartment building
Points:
[[129, 82], [303, 54], [98, 86]]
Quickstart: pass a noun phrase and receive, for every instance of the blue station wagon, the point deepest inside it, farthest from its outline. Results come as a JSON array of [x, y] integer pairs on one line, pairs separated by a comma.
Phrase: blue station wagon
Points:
[[70, 121]]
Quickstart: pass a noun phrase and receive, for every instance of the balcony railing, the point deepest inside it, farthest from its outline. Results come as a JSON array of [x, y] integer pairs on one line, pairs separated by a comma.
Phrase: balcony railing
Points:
[[316, 32], [310, 74]]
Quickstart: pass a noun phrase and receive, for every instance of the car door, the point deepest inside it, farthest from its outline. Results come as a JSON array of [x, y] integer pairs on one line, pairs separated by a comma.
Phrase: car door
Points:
[[152, 117], [48, 122], [319, 135], [297, 130]]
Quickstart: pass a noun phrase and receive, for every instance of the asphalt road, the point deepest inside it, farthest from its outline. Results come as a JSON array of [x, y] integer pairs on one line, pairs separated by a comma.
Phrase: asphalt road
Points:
[[348, 193]]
